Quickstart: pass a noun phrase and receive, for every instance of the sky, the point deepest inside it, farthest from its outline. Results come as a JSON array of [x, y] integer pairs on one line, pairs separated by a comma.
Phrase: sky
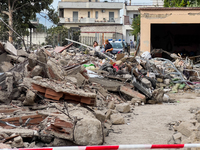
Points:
[[55, 4]]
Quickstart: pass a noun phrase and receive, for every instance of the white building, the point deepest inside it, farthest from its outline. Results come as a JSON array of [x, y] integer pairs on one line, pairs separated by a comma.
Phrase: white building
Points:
[[130, 12]]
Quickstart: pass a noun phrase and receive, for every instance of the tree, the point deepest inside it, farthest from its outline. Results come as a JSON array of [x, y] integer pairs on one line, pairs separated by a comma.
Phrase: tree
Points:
[[20, 12], [136, 26], [57, 35], [41, 28], [181, 3]]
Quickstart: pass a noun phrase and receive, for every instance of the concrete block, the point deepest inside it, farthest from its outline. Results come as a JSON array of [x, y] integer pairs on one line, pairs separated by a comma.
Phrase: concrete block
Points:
[[5, 66], [88, 131], [177, 136], [108, 114], [37, 70], [146, 82], [184, 128], [100, 115], [111, 105], [123, 108], [30, 97], [117, 119], [10, 48]]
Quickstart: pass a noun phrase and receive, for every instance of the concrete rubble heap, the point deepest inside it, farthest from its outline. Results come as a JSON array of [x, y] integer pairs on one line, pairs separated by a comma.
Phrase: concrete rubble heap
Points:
[[186, 132], [67, 97]]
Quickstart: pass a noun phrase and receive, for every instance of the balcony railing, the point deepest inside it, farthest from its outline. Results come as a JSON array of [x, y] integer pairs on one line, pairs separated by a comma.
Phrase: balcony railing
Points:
[[91, 20]]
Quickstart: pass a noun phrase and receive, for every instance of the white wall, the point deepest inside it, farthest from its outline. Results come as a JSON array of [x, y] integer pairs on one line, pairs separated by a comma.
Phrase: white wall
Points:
[[37, 38], [129, 36], [130, 14]]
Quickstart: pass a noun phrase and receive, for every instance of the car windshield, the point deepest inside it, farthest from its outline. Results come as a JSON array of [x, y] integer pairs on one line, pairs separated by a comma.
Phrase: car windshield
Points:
[[116, 45]]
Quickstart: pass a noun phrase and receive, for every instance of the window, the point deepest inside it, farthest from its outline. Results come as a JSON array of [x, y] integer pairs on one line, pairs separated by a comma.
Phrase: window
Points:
[[75, 16], [89, 0], [61, 13], [88, 14], [116, 45], [135, 15], [111, 17], [96, 15]]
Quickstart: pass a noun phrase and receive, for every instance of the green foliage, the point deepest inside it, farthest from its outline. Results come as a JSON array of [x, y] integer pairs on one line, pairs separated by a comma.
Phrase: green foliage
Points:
[[25, 10], [136, 26], [181, 3], [41, 28], [56, 36]]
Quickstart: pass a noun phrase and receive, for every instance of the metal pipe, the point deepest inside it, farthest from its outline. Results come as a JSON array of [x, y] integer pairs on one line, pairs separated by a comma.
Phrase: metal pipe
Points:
[[15, 33]]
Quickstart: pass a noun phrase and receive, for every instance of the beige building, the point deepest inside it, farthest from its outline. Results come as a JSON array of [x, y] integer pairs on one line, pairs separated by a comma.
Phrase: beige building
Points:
[[88, 12], [96, 20], [172, 29]]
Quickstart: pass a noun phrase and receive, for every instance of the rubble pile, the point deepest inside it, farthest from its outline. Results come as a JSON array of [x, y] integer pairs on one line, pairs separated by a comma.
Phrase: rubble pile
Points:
[[69, 96], [186, 131]]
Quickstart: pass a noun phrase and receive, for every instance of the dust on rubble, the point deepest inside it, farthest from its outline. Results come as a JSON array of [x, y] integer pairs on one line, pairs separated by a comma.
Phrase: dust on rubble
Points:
[[69, 96]]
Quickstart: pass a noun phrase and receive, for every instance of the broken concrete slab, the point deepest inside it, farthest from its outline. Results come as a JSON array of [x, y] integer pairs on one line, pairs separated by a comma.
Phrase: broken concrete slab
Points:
[[111, 105], [100, 115], [5, 66], [108, 113], [93, 132], [30, 97], [110, 85], [123, 108], [117, 119], [146, 82], [53, 71], [132, 93], [10, 48], [3, 57], [70, 93], [22, 132], [18, 142], [37, 70], [185, 128], [15, 59], [2, 50]]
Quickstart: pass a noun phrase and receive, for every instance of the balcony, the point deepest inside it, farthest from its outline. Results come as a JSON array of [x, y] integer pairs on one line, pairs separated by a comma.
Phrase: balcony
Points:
[[90, 20], [90, 5]]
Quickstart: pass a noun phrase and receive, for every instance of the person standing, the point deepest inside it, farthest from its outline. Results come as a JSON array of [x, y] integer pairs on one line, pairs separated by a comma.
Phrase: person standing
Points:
[[131, 44]]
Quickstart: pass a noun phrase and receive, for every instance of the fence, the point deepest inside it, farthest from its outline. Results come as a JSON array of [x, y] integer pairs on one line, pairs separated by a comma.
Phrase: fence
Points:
[[88, 40]]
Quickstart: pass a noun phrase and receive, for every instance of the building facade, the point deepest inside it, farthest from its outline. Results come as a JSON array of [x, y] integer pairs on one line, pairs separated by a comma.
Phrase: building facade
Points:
[[88, 12], [172, 29], [130, 12], [96, 20]]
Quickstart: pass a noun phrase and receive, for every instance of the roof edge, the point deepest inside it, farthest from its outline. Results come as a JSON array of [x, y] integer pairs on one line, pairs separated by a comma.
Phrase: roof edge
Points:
[[169, 8]]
